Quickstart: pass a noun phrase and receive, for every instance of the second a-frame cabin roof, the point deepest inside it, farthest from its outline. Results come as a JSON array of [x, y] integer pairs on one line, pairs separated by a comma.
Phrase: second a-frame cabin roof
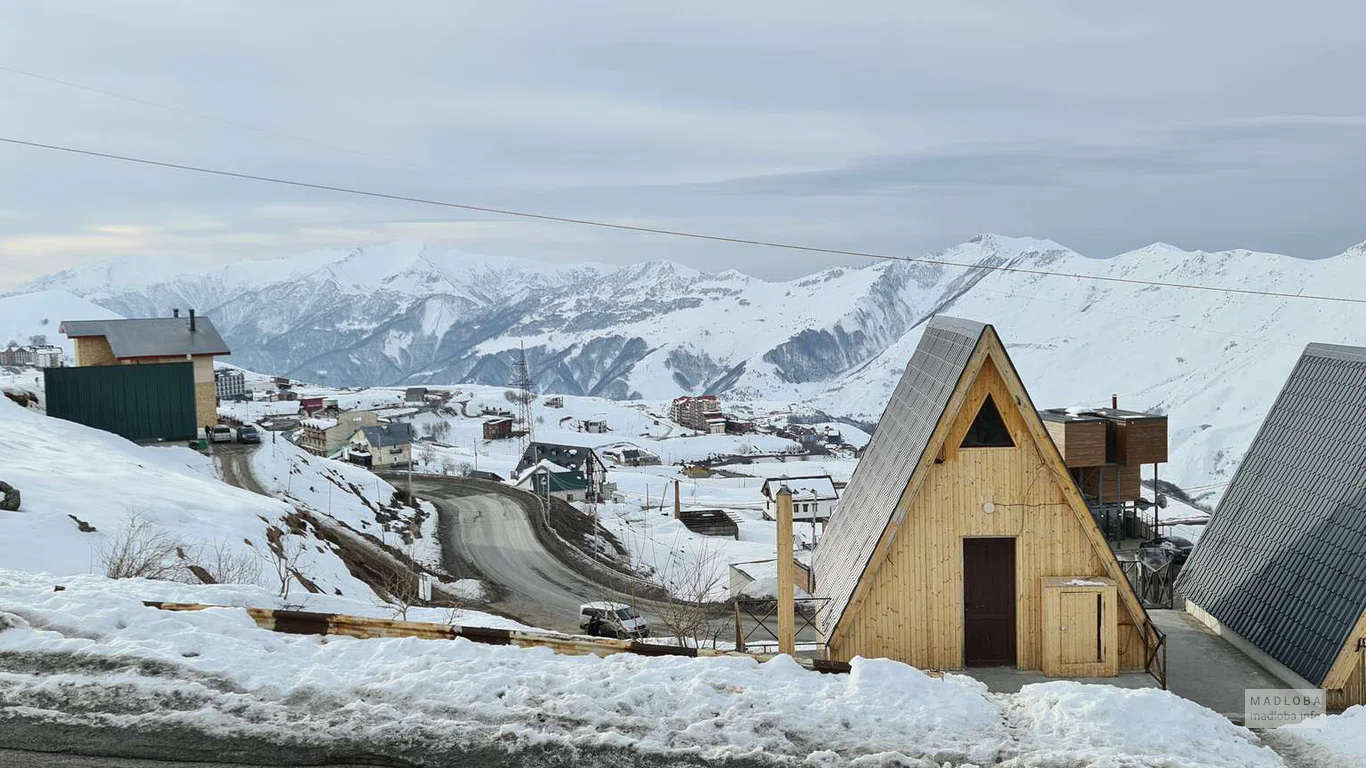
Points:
[[1283, 561], [902, 436]]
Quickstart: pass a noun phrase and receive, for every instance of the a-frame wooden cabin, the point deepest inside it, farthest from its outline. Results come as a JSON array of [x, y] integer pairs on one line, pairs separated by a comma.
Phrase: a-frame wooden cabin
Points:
[[962, 540]]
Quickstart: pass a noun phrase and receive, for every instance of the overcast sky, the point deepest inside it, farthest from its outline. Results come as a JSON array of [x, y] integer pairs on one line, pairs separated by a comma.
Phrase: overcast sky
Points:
[[895, 126]]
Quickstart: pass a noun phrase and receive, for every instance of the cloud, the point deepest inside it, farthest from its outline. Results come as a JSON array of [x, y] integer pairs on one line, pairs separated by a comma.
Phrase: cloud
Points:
[[882, 126]]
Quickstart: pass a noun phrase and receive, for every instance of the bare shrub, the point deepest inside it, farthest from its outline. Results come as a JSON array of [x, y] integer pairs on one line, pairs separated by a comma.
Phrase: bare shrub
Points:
[[396, 584], [141, 550], [227, 564], [285, 555]]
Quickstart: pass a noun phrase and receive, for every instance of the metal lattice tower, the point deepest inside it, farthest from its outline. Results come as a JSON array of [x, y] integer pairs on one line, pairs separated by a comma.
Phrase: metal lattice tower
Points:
[[521, 383]]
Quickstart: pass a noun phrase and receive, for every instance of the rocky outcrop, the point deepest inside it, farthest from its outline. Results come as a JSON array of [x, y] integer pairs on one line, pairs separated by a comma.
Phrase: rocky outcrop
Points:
[[9, 497]]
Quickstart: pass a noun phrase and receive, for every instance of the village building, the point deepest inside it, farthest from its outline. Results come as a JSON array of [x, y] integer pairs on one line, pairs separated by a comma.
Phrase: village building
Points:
[[149, 341], [381, 447], [415, 395], [556, 401], [499, 428], [595, 426], [961, 540], [813, 497], [628, 455], [327, 436], [229, 384], [1280, 570], [546, 478], [1105, 450], [576, 459], [702, 413]]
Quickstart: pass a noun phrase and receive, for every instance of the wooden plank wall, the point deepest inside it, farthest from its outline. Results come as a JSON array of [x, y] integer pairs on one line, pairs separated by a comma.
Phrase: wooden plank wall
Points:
[[913, 609], [1143, 441], [1346, 679], [1100, 481], [1081, 443]]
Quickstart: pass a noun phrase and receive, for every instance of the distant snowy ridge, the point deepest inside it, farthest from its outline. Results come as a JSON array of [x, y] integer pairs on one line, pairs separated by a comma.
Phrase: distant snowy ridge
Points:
[[837, 340]]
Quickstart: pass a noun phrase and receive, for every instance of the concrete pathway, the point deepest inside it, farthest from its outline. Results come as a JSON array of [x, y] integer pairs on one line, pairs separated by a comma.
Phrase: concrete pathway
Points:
[[1203, 667]]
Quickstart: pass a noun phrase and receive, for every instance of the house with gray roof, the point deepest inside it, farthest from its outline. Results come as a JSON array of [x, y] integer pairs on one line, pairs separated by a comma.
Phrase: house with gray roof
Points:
[[382, 446], [151, 341], [579, 459], [961, 540], [1281, 568]]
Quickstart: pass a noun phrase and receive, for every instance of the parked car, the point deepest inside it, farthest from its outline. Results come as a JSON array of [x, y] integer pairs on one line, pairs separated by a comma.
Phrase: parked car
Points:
[[221, 434], [1177, 548], [612, 620], [248, 434]]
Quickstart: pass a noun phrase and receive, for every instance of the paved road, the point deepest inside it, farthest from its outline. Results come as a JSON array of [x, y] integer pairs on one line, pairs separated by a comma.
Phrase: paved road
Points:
[[490, 532]]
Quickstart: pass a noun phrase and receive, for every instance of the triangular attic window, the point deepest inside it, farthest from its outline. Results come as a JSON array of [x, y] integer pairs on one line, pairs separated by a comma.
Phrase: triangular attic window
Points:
[[988, 430]]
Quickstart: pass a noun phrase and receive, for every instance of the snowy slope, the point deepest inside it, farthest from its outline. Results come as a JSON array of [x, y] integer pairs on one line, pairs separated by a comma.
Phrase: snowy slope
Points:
[[68, 473], [40, 313]]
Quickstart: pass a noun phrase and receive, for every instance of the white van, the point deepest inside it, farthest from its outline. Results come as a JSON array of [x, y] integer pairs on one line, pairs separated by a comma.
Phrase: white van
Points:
[[221, 434], [612, 620]]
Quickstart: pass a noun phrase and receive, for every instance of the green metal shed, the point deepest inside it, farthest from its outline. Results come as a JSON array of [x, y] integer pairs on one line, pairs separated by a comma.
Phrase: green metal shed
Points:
[[139, 402]]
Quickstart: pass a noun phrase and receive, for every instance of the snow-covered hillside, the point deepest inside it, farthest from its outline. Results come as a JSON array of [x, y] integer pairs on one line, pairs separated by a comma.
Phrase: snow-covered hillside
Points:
[[38, 314], [83, 490], [836, 340]]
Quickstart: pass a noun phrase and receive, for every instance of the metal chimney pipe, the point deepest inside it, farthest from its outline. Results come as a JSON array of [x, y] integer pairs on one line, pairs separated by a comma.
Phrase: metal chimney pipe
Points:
[[192, 326], [1114, 399], [175, 312]]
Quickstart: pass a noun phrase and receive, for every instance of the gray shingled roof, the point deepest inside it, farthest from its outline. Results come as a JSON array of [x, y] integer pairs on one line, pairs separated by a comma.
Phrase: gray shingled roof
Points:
[[569, 456], [883, 473], [388, 435], [1283, 561], [152, 337]]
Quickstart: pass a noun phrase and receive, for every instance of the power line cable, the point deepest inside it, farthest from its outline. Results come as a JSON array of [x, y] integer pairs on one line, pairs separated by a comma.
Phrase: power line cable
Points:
[[673, 232], [190, 113]]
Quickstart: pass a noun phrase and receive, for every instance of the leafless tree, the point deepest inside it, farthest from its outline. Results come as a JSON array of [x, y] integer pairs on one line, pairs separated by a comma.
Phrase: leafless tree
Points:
[[286, 555], [437, 430], [692, 616], [141, 550], [518, 396], [396, 586], [427, 453]]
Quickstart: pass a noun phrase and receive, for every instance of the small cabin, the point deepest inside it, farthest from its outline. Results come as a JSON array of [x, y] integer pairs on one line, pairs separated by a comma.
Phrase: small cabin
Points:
[[962, 540]]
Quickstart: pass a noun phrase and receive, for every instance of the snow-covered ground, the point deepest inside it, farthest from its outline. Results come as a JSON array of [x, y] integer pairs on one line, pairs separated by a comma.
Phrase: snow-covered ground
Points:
[[226, 675], [71, 476], [1334, 741]]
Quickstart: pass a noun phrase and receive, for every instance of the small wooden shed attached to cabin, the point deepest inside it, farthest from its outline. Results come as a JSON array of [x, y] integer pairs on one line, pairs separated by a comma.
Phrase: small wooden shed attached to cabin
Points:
[[962, 540]]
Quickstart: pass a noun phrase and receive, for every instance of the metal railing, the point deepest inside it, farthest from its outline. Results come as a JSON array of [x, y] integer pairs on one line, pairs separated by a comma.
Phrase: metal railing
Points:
[[1155, 653]]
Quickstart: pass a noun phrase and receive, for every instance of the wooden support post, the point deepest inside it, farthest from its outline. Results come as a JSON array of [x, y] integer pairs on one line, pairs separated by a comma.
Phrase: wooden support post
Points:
[[678, 503], [787, 630]]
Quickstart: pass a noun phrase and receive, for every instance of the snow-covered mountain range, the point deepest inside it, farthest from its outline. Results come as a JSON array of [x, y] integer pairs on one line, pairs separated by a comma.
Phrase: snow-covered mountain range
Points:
[[837, 339]]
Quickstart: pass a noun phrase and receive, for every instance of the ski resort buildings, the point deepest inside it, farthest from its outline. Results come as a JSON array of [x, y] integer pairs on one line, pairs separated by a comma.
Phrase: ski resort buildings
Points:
[[1281, 568], [962, 540], [701, 413]]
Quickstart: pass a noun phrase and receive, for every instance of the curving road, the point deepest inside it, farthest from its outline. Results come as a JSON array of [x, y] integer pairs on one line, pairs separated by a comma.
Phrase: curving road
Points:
[[489, 532]]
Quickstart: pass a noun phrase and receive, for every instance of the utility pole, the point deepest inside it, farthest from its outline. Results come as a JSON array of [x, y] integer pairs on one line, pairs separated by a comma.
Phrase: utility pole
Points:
[[521, 384], [787, 629]]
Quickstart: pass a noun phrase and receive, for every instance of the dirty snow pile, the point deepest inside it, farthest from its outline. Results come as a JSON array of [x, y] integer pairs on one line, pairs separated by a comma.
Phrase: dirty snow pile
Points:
[[1333, 741], [216, 671]]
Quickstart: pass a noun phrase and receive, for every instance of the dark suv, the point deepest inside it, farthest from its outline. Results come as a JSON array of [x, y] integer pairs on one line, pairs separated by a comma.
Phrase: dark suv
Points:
[[248, 434]]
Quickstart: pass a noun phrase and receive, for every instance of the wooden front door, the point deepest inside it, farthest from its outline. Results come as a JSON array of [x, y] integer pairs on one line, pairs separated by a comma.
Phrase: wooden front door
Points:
[[988, 602]]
